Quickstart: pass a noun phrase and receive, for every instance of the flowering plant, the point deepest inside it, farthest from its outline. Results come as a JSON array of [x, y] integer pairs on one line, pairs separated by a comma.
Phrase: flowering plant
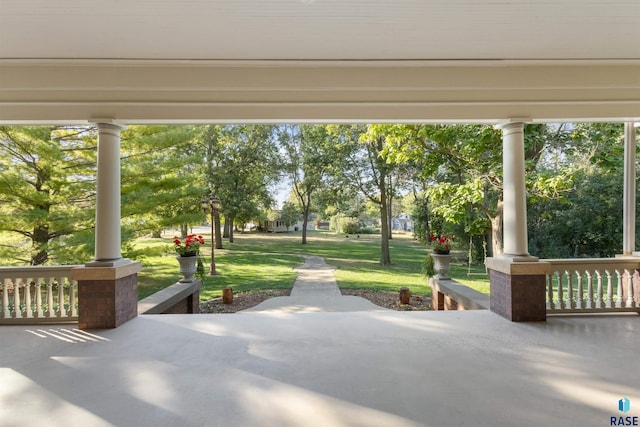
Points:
[[441, 244], [191, 245]]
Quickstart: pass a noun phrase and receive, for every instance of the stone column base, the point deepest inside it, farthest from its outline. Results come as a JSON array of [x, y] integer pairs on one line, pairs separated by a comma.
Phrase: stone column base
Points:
[[518, 289], [107, 296]]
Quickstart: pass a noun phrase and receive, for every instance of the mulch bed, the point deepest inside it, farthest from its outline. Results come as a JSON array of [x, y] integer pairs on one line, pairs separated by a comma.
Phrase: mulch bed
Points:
[[244, 300], [391, 300], [241, 301]]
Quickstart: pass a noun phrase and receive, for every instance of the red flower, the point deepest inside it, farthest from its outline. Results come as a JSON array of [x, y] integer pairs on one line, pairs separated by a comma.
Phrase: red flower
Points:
[[191, 245], [442, 242]]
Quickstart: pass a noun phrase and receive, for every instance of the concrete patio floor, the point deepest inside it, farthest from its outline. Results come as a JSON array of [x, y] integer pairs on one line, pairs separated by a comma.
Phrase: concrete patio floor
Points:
[[377, 368]]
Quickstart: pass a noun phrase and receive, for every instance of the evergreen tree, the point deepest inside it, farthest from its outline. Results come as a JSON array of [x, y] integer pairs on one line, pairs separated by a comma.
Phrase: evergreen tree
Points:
[[162, 178], [47, 192]]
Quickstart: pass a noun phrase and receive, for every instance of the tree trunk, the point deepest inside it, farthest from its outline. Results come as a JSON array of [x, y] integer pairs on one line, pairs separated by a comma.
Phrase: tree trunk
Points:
[[230, 228], [389, 217], [39, 243], [156, 234], [217, 230], [225, 232], [496, 232], [305, 220], [184, 230], [385, 256]]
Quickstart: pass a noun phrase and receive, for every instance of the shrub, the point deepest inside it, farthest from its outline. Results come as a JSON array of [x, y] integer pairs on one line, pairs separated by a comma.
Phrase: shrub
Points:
[[428, 269]]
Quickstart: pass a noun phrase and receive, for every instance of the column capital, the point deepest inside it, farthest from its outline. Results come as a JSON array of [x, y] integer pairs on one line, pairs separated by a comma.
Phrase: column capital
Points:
[[513, 123], [110, 123]]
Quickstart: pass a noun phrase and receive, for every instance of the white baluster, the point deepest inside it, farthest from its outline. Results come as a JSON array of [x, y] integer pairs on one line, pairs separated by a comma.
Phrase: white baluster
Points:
[[619, 289], [61, 310], [569, 304], [549, 278], [589, 303], [50, 311], [38, 289], [27, 299], [5, 299], [609, 301], [629, 275], [560, 303], [600, 295], [16, 300], [72, 299], [579, 296]]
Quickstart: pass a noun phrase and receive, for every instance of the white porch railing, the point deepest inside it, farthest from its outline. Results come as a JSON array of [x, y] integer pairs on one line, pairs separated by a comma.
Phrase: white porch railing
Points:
[[592, 285], [39, 294]]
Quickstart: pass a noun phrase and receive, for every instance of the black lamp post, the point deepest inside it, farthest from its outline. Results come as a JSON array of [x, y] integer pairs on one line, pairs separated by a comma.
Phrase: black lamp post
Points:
[[212, 204]]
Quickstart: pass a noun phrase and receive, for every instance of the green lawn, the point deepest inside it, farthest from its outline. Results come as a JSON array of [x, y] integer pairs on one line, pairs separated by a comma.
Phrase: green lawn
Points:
[[257, 261]]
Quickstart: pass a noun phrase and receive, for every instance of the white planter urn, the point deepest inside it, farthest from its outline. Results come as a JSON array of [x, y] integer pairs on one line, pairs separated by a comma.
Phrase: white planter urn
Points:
[[188, 266], [441, 265]]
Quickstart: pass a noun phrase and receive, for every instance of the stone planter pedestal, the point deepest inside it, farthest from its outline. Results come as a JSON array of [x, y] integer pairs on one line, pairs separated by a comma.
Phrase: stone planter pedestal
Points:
[[441, 265], [188, 266]]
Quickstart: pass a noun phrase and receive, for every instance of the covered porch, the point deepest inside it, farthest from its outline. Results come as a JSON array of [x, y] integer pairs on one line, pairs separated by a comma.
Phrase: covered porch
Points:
[[505, 63]]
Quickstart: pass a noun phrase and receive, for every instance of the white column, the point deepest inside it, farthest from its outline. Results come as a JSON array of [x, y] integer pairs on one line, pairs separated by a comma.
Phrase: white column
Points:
[[629, 210], [108, 193], [514, 190]]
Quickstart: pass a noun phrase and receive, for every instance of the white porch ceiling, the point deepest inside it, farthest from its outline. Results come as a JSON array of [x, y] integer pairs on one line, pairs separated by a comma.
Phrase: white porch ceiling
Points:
[[320, 29], [319, 60]]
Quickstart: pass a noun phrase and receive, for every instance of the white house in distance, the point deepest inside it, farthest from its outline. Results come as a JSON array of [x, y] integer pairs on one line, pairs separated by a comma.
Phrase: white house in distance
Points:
[[278, 225], [402, 222]]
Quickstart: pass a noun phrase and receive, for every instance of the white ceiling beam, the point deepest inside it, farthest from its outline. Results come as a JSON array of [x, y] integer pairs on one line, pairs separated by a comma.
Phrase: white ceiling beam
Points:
[[149, 91]]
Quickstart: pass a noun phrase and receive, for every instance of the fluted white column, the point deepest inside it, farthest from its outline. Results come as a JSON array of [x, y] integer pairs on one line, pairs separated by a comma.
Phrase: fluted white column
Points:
[[108, 193], [514, 190], [629, 210]]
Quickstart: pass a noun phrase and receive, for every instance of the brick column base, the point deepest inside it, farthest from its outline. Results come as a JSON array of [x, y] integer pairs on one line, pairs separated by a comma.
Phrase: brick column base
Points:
[[518, 298], [107, 297], [518, 290]]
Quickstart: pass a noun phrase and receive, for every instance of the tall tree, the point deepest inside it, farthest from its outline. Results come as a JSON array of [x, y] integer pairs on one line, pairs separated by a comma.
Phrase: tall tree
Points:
[[365, 167], [462, 165], [208, 139], [162, 179], [586, 221], [47, 181], [309, 156], [241, 166]]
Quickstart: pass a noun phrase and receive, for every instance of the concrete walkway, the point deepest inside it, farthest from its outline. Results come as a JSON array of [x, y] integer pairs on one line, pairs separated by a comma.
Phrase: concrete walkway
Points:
[[315, 290]]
